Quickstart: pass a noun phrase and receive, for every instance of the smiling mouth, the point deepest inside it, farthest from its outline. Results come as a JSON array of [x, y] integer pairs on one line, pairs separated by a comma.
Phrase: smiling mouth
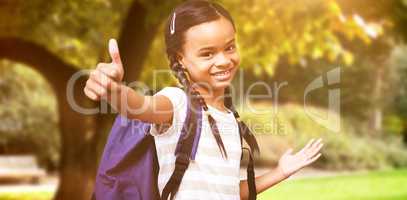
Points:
[[222, 73]]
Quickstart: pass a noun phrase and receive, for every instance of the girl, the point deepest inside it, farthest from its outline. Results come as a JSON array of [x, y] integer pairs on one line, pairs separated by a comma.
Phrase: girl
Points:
[[201, 48]]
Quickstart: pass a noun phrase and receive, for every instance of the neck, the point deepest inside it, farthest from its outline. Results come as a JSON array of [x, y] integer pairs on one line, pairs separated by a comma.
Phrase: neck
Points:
[[214, 98]]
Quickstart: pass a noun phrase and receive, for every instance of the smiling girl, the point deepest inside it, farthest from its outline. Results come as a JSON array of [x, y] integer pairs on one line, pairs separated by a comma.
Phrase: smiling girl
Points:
[[201, 48]]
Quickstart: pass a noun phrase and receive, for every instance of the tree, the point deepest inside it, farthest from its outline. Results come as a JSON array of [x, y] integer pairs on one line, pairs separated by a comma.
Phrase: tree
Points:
[[70, 35], [400, 17], [21, 133], [298, 31], [400, 103], [54, 46]]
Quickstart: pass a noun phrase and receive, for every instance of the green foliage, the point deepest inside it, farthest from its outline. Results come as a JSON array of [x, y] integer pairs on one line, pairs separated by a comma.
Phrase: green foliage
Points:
[[299, 33], [297, 30], [78, 31], [399, 61], [400, 18], [157, 73], [28, 117], [393, 124], [271, 31], [18, 17], [72, 29], [348, 149], [75, 30]]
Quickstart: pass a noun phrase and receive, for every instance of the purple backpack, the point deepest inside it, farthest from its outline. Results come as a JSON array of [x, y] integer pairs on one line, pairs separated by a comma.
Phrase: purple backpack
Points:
[[129, 166]]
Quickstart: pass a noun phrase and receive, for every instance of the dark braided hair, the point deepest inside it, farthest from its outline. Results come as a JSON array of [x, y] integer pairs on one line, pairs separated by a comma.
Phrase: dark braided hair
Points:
[[186, 15], [244, 130]]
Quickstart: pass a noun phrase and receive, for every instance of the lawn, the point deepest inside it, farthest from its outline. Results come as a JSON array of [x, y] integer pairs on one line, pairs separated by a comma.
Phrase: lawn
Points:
[[378, 185], [27, 196]]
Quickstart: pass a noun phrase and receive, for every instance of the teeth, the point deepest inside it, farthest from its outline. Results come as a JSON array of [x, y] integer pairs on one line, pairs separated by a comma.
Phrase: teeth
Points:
[[222, 73]]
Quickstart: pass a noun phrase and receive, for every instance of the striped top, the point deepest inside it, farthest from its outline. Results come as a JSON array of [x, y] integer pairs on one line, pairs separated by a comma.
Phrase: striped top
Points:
[[209, 176]]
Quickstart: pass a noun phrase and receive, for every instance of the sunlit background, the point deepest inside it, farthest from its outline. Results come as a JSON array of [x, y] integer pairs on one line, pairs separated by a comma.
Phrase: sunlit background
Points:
[[47, 150]]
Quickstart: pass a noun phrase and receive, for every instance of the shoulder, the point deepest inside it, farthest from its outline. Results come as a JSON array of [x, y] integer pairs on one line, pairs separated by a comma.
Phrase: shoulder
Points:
[[172, 91], [176, 95], [178, 100]]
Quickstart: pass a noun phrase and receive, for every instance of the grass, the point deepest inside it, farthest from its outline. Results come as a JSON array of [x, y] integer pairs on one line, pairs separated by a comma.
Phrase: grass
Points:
[[377, 185], [41, 195]]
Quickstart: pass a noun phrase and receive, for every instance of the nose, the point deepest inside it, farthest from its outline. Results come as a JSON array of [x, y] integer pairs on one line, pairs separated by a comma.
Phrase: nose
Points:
[[222, 61]]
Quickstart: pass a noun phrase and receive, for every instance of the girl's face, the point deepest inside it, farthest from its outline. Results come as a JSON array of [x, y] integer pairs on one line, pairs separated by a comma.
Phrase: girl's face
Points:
[[210, 54]]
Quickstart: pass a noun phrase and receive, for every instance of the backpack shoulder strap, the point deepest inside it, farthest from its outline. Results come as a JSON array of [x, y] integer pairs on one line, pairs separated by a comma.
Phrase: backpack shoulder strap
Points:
[[185, 132], [251, 177], [186, 149]]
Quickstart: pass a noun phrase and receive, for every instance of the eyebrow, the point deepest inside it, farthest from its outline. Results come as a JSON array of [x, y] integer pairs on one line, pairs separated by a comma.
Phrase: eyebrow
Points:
[[211, 47]]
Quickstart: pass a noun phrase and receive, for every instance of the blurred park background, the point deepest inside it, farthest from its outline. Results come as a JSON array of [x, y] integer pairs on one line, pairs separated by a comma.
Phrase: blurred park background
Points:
[[47, 150]]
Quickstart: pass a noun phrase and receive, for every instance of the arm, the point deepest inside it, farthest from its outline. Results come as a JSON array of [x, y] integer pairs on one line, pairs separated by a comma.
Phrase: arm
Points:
[[105, 83], [263, 182], [153, 109], [288, 165]]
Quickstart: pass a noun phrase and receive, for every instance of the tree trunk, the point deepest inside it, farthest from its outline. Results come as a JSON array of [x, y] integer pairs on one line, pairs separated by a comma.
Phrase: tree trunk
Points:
[[378, 52], [78, 160], [80, 139], [377, 95], [135, 39], [82, 134]]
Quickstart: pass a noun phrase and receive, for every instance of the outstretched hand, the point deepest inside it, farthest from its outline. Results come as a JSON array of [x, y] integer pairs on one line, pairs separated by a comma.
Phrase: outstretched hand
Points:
[[107, 76], [290, 163]]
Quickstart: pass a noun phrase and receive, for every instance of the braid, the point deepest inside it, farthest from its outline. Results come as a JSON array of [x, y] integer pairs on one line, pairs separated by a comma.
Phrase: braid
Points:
[[244, 131], [196, 99]]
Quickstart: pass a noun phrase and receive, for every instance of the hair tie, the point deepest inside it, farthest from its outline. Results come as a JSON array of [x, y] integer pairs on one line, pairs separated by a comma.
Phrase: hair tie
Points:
[[172, 27]]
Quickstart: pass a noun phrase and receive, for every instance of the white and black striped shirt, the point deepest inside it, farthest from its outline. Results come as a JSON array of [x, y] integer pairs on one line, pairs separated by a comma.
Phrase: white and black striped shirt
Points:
[[209, 176]]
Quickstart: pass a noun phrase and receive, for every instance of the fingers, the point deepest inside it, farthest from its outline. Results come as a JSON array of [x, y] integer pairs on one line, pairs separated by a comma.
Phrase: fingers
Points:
[[94, 90], [99, 85], [309, 143], [288, 152], [114, 52], [316, 143], [306, 146], [101, 78], [92, 95], [315, 148], [107, 76], [109, 70], [312, 159], [312, 153]]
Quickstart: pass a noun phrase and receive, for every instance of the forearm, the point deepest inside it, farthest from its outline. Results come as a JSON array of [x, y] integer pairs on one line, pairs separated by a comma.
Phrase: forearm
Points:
[[133, 105], [263, 182], [126, 101]]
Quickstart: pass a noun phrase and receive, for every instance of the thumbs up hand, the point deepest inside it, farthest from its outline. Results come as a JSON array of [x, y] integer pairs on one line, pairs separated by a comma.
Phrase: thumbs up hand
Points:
[[107, 77], [117, 66]]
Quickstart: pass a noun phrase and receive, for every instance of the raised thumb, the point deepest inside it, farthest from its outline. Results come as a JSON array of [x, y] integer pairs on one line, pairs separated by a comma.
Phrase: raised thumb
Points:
[[114, 52]]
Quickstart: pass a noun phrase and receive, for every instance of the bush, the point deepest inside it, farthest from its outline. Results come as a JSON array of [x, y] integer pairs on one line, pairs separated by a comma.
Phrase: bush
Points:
[[28, 115], [348, 149]]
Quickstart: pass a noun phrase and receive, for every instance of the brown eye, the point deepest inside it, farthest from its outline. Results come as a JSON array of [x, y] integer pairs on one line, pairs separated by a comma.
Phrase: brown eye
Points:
[[206, 54], [231, 48]]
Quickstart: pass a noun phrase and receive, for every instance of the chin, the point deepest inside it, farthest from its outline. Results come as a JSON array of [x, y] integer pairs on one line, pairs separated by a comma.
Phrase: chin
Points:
[[221, 85], [223, 82]]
